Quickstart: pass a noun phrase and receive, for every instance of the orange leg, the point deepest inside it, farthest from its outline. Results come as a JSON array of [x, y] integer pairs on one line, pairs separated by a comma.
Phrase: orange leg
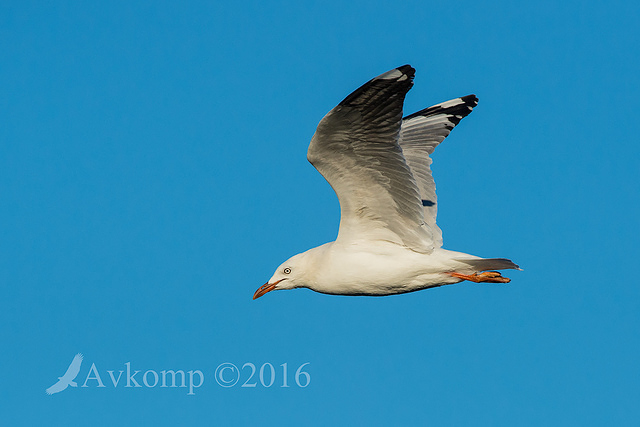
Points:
[[487, 276]]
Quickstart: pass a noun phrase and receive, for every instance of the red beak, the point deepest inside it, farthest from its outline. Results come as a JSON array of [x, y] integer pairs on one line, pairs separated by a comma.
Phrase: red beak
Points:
[[267, 287]]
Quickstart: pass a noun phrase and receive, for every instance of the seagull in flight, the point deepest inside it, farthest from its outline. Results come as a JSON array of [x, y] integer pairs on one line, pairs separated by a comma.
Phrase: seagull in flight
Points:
[[378, 164], [67, 379]]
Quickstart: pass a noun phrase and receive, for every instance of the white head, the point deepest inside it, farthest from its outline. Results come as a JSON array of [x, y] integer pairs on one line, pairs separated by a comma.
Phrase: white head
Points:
[[290, 274]]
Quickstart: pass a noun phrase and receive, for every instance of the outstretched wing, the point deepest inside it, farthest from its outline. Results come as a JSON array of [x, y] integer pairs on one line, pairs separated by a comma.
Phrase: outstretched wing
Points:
[[57, 387], [356, 149], [420, 134], [73, 369]]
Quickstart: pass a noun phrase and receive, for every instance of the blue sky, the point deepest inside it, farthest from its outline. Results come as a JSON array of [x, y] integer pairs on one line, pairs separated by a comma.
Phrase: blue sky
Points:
[[153, 174]]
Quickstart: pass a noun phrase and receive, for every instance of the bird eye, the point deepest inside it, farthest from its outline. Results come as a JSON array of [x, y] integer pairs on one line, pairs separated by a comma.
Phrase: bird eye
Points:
[[286, 270]]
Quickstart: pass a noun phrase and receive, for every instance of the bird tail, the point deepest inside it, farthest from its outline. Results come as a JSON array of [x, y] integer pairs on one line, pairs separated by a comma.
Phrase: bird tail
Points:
[[483, 264]]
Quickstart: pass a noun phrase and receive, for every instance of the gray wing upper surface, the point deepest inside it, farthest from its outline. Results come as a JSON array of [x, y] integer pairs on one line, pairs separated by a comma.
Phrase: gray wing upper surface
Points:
[[420, 134]]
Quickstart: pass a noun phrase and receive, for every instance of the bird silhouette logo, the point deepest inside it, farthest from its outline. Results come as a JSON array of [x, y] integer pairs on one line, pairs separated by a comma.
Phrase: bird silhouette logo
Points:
[[67, 379]]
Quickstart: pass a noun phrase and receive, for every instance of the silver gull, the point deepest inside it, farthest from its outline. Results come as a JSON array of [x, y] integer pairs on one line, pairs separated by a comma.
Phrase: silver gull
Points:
[[379, 166]]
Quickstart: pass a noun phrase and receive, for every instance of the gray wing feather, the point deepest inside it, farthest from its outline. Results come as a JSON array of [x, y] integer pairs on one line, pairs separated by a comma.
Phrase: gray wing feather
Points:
[[356, 149], [420, 134]]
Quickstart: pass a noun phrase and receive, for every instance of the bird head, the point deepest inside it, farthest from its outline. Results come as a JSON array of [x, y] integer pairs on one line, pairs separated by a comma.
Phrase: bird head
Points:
[[289, 275]]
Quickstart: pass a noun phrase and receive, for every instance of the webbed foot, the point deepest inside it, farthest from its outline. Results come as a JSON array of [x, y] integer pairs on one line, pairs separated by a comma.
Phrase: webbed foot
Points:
[[485, 276]]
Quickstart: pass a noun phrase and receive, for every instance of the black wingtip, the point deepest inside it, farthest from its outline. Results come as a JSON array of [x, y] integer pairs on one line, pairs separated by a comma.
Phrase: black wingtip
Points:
[[397, 80], [470, 99], [407, 69], [405, 72], [457, 108]]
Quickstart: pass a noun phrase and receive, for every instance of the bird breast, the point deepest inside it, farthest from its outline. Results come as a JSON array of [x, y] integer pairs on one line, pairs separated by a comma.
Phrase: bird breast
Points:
[[382, 269]]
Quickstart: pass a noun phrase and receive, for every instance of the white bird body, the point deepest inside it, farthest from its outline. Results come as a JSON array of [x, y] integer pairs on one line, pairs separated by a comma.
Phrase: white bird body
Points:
[[379, 166], [378, 269]]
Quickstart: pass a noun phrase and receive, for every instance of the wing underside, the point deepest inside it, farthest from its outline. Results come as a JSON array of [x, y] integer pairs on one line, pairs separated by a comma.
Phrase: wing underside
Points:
[[356, 149], [378, 163]]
